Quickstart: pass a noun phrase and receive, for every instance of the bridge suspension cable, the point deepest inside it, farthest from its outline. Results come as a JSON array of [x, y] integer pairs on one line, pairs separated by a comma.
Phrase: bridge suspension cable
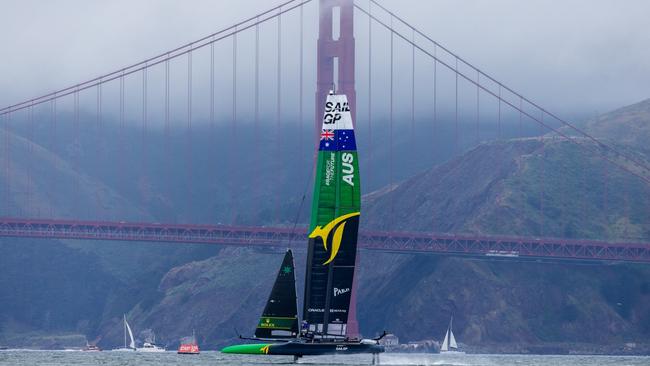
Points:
[[500, 85], [598, 146], [225, 33]]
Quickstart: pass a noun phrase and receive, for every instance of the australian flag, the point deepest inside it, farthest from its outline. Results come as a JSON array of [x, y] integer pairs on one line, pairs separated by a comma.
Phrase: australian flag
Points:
[[337, 140]]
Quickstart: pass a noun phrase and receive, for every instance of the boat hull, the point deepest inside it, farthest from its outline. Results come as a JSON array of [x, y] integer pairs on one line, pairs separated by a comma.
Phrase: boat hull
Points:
[[452, 353], [188, 349], [304, 349], [150, 350]]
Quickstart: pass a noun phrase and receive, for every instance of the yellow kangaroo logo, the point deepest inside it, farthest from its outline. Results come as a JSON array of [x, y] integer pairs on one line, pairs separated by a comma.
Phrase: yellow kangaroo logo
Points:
[[265, 349], [324, 232]]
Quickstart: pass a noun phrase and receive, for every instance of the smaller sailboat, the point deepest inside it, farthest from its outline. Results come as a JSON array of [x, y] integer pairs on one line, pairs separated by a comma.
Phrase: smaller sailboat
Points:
[[150, 346], [91, 347], [127, 330], [449, 345], [189, 346]]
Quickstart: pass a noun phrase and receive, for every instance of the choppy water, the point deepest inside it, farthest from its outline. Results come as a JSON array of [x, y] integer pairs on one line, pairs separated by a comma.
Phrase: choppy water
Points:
[[61, 358]]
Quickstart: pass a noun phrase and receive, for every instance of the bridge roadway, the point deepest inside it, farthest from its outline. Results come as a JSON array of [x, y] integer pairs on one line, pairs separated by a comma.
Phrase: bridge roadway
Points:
[[501, 247]]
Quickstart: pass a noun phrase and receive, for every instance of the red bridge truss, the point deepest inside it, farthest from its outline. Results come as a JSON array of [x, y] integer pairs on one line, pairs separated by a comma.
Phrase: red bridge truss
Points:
[[502, 247]]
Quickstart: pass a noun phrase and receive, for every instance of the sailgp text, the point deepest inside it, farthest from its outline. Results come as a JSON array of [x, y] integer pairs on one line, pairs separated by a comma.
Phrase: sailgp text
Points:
[[333, 112]]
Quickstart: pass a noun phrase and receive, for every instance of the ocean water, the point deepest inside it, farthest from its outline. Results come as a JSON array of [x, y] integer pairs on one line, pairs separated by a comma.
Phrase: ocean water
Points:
[[71, 358]]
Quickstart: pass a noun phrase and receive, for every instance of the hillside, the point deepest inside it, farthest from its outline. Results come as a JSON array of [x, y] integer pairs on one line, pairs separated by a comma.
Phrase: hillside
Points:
[[508, 302], [56, 287], [629, 125], [58, 172], [525, 304], [532, 186], [540, 187]]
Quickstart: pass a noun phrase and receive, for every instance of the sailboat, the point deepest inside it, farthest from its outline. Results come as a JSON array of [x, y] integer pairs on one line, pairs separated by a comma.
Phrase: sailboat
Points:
[[331, 255], [150, 346], [449, 345], [91, 347], [127, 330]]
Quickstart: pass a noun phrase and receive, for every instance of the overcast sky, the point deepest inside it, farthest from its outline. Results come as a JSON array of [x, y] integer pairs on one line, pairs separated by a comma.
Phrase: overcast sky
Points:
[[575, 56]]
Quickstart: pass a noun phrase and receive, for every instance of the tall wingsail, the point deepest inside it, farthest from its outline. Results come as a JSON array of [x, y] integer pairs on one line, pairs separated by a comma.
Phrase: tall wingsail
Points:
[[334, 223], [280, 317]]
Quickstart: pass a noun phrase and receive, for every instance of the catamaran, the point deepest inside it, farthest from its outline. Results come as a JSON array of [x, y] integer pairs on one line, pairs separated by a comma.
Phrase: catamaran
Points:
[[91, 347], [127, 330], [332, 249], [150, 345], [449, 345]]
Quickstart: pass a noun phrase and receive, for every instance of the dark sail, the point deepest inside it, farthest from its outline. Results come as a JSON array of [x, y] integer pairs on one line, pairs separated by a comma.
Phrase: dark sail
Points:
[[280, 316], [334, 224]]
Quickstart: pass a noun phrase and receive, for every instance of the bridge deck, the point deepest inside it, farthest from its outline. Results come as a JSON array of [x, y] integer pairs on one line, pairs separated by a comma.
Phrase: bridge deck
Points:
[[474, 245]]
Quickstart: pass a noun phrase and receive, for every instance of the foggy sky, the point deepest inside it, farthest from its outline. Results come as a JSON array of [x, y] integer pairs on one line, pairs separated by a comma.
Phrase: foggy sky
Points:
[[574, 56]]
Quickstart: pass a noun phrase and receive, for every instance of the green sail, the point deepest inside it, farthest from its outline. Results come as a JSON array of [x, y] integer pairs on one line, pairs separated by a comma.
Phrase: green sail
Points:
[[334, 223]]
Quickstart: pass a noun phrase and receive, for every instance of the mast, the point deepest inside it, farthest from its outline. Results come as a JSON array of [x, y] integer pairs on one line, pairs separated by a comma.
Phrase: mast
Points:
[[333, 51], [452, 339], [124, 321], [336, 62]]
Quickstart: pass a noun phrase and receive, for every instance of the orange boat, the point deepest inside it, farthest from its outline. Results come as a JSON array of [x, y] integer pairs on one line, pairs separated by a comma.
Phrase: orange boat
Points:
[[189, 346]]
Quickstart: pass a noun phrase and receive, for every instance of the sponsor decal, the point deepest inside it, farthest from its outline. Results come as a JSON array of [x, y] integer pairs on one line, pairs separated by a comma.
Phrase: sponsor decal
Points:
[[276, 322], [266, 323], [329, 169], [341, 348], [332, 239], [312, 310], [340, 291], [265, 349]]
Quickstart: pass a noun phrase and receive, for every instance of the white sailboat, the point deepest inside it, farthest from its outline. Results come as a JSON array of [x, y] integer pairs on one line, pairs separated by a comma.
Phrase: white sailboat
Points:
[[449, 345], [150, 346], [131, 345]]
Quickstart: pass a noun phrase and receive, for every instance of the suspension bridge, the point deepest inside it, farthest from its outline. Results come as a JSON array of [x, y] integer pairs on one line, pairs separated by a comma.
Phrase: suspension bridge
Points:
[[143, 123]]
